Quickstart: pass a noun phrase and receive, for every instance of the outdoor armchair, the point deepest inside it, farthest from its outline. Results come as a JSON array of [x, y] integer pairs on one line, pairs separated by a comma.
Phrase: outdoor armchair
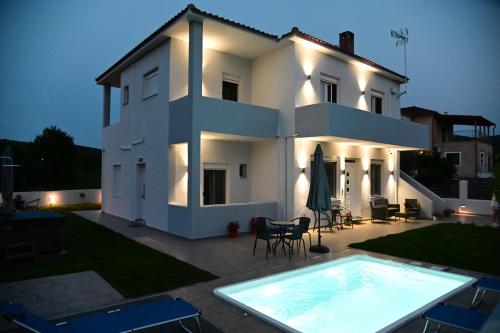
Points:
[[412, 206], [305, 222], [381, 209], [296, 237]]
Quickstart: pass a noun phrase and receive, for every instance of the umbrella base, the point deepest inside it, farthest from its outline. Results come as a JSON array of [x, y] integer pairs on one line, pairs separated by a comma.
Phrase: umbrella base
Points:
[[319, 249]]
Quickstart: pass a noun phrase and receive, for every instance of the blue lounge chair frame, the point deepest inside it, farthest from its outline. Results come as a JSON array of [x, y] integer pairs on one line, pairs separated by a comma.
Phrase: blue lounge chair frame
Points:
[[129, 318], [485, 284], [455, 316]]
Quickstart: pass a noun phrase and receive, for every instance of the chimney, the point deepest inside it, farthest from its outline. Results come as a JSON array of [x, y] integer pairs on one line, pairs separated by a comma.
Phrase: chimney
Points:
[[346, 41]]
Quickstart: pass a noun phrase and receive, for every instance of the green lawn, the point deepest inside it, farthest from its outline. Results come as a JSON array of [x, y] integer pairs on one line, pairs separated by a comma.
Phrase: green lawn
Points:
[[463, 246], [132, 268]]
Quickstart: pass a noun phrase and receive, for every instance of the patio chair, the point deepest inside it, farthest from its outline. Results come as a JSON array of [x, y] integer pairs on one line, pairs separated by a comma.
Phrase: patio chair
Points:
[[125, 319], [305, 222], [381, 209], [412, 206], [296, 237], [452, 315], [263, 232], [485, 284]]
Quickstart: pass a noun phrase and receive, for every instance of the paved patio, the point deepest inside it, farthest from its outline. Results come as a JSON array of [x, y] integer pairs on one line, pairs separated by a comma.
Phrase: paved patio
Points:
[[232, 261]]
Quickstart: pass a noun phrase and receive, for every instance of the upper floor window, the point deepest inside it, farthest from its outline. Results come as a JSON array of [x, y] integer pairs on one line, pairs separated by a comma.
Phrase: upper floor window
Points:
[[230, 85], [125, 93], [376, 102], [150, 83], [329, 89], [454, 157]]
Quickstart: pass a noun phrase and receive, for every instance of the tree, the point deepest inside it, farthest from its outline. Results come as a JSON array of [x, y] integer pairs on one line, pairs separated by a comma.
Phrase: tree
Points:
[[54, 150], [433, 168]]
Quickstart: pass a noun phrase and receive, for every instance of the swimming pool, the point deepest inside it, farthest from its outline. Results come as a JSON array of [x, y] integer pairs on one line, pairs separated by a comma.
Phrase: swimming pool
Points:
[[353, 294]]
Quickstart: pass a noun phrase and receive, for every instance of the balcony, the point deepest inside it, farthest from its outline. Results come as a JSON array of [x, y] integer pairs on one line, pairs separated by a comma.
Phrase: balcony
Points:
[[353, 126], [208, 114]]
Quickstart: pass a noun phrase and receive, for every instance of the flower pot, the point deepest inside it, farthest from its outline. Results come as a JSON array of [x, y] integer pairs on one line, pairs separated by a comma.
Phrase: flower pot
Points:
[[234, 234]]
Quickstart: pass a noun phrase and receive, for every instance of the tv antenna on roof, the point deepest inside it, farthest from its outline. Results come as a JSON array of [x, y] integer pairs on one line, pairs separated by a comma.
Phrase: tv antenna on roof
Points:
[[402, 39]]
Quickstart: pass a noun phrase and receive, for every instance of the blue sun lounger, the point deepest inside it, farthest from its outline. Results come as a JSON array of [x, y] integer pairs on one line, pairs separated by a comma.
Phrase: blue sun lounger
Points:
[[451, 315], [485, 284], [128, 318]]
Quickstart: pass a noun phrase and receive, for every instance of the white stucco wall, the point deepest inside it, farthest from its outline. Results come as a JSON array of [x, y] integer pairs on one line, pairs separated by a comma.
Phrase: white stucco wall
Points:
[[304, 149], [179, 56], [215, 63], [230, 154], [143, 132], [64, 197], [265, 171], [352, 78]]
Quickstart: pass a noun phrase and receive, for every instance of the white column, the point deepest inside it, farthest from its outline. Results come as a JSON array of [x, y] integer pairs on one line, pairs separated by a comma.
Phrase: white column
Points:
[[195, 65], [106, 108]]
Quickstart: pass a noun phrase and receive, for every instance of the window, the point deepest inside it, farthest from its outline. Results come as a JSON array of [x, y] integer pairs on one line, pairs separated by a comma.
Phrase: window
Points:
[[117, 172], [331, 174], [125, 95], [329, 88], [214, 187], [375, 181], [150, 84], [454, 157], [376, 103], [243, 171], [230, 85]]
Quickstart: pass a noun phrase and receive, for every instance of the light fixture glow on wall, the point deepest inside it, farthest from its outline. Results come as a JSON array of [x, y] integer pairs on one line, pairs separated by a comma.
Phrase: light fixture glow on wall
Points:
[[52, 200]]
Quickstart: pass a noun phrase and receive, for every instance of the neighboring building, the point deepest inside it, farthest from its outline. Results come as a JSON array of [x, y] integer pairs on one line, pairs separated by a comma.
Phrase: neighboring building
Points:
[[464, 140], [218, 122]]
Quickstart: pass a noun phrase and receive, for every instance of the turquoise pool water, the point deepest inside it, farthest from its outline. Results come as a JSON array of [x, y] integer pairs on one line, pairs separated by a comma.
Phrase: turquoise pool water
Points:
[[355, 294]]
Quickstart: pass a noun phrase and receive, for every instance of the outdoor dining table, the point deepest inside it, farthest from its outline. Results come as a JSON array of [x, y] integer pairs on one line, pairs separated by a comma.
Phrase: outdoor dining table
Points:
[[283, 227]]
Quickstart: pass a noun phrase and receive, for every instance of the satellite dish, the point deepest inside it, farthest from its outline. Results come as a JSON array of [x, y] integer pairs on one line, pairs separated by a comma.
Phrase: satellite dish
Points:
[[402, 39]]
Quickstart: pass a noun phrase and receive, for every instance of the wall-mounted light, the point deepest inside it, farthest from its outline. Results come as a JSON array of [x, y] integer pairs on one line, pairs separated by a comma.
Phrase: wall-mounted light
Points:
[[366, 172], [308, 77], [362, 92], [52, 200], [342, 172], [303, 170], [392, 172], [463, 206]]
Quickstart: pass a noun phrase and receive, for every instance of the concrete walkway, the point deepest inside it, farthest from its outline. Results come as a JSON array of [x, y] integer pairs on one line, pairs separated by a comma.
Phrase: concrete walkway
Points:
[[232, 261], [61, 295]]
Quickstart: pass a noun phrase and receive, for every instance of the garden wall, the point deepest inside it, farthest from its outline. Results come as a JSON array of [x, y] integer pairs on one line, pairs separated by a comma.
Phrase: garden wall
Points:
[[68, 197]]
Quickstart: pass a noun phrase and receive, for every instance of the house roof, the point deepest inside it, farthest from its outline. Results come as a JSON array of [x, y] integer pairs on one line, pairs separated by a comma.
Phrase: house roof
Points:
[[294, 32], [455, 119]]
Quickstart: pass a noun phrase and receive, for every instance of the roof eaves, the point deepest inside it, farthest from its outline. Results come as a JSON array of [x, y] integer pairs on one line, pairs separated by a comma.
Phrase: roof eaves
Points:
[[170, 22], [297, 32]]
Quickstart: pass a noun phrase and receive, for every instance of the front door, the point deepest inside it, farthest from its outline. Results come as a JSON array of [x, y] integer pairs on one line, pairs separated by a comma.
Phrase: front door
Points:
[[214, 187], [352, 188], [140, 191]]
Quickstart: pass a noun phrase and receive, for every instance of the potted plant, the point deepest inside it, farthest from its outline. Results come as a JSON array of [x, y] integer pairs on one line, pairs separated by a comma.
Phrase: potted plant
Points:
[[253, 225], [232, 228]]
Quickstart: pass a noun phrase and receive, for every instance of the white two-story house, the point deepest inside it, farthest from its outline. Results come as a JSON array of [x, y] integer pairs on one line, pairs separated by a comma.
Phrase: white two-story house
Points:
[[219, 121]]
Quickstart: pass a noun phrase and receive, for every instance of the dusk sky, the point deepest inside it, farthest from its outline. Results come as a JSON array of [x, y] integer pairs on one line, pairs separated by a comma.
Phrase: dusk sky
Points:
[[51, 51]]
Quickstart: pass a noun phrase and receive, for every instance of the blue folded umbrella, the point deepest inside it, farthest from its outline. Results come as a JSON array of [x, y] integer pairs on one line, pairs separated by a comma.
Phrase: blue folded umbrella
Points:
[[125, 319]]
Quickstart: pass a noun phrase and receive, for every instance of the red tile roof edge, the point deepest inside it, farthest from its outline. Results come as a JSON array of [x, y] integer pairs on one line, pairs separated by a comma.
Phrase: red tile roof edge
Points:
[[458, 118], [294, 31]]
